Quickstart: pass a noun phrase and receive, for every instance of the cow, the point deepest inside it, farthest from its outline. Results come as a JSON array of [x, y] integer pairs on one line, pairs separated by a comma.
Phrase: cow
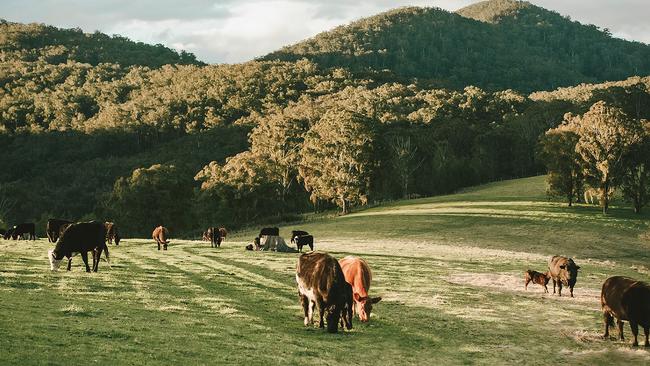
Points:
[[563, 271], [357, 273], [55, 228], [295, 233], [303, 240], [25, 231], [624, 298], [216, 236], [112, 233], [273, 231], [160, 235], [8, 233], [81, 238], [537, 278], [321, 282]]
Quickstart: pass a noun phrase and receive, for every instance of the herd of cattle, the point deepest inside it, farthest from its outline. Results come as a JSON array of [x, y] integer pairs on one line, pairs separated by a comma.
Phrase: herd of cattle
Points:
[[340, 288]]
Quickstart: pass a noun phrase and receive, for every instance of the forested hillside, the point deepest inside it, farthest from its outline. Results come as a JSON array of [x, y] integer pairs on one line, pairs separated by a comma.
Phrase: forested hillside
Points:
[[498, 44], [191, 146]]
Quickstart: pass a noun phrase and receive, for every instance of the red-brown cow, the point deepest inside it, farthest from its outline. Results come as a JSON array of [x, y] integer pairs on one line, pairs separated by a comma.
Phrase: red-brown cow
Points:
[[625, 298], [358, 275], [160, 235]]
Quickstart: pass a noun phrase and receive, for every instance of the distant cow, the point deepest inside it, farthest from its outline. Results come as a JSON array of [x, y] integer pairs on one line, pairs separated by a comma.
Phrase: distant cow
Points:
[[216, 236], [537, 278], [563, 271], [357, 274], [8, 233], [112, 233], [295, 233], [205, 236], [160, 235], [303, 240], [273, 231], [624, 298], [55, 228], [321, 282], [81, 238], [24, 230]]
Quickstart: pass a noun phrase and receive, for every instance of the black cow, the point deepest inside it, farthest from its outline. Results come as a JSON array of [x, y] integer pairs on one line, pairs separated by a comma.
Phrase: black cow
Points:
[[54, 229], [80, 237], [295, 233], [272, 231], [27, 228], [3, 232], [303, 240]]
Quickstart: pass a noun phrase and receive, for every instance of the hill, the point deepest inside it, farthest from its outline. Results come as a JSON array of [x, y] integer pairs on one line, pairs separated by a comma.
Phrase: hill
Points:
[[497, 44], [449, 269], [32, 42]]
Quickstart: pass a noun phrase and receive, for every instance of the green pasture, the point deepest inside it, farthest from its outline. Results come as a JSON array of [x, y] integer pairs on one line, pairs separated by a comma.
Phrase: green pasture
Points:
[[449, 269]]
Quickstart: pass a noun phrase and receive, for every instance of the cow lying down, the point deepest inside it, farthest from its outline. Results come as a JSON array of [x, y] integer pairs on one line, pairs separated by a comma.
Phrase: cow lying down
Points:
[[80, 238]]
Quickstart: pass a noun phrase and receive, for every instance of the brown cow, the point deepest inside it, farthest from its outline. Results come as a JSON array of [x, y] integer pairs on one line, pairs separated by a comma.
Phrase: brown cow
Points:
[[624, 298], [160, 235], [537, 278], [358, 275], [215, 236], [563, 271], [112, 233], [321, 282]]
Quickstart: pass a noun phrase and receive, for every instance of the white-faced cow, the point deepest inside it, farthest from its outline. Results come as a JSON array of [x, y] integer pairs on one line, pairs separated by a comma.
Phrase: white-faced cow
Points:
[[563, 271], [321, 283], [80, 238]]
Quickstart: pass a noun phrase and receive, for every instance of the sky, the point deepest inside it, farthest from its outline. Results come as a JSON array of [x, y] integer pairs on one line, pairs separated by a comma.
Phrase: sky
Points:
[[231, 31]]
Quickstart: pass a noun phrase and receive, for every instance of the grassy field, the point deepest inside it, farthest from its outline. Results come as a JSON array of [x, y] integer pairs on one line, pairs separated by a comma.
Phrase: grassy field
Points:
[[449, 269]]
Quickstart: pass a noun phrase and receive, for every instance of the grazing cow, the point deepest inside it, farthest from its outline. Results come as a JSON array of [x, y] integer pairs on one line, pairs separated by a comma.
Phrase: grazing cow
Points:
[[25, 231], [358, 275], [295, 233], [54, 229], [563, 271], [81, 238], [160, 235], [624, 298], [321, 282], [273, 231], [112, 233], [303, 240], [537, 278]]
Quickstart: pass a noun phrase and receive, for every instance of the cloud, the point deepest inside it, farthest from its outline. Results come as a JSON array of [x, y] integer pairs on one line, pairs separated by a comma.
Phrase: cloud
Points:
[[227, 31]]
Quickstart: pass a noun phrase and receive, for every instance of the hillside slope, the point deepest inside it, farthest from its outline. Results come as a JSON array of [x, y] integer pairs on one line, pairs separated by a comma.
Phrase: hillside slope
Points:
[[497, 44]]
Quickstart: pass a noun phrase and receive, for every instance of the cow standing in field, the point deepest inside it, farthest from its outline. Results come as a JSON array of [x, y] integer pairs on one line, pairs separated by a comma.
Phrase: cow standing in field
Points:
[[303, 240], [216, 236], [54, 229], [24, 231], [563, 271], [321, 283], [357, 274], [112, 233], [537, 278], [296, 233], [160, 235], [81, 238], [624, 298]]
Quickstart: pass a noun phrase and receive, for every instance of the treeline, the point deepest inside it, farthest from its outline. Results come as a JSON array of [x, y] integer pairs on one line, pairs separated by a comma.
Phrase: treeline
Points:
[[523, 47], [40, 42]]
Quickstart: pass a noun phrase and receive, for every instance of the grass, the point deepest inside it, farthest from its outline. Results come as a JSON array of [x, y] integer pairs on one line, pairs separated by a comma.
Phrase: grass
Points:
[[449, 269]]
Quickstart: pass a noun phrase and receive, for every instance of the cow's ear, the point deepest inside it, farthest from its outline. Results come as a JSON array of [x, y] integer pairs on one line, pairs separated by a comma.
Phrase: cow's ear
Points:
[[563, 266], [375, 300], [356, 297]]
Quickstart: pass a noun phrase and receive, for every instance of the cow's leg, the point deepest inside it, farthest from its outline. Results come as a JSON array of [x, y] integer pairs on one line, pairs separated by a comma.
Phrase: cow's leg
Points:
[[571, 290], [311, 247], [554, 285], [84, 256], [646, 331], [545, 289], [99, 255], [321, 313], [157, 242], [619, 323], [527, 281], [304, 301], [164, 246], [635, 332], [69, 263], [559, 288], [607, 317]]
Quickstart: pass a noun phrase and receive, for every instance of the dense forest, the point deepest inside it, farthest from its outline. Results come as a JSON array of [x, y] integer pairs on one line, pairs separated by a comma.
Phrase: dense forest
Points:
[[145, 140], [495, 45]]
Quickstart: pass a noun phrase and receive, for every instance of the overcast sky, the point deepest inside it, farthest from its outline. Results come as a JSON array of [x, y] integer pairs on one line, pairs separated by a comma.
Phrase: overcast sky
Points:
[[228, 31]]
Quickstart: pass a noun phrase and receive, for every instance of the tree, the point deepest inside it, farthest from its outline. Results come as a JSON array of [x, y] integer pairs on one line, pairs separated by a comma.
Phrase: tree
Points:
[[558, 152], [635, 182], [405, 160], [336, 159], [606, 134]]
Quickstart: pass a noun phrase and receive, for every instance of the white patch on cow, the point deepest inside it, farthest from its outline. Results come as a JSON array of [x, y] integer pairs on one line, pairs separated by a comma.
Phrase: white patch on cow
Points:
[[54, 263], [311, 297]]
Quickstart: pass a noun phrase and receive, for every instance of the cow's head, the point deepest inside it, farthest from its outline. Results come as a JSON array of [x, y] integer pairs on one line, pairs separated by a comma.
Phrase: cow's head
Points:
[[54, 263], [364, 306], [569, 273]]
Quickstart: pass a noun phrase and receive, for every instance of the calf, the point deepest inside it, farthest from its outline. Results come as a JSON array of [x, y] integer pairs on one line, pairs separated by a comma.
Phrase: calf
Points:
[[304, 240], [295, 233], [624, 298], [321, 282], [81, 238], [357, 274], [273, 231], [537, 278], [112, 233], [54, 229], [563, 271], [160, 235], [25, 231]]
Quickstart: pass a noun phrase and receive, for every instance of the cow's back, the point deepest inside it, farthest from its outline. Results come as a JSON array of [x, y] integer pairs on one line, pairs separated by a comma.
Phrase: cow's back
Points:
[[81, 236], [626, 299], [357, 273], [321, 273]]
